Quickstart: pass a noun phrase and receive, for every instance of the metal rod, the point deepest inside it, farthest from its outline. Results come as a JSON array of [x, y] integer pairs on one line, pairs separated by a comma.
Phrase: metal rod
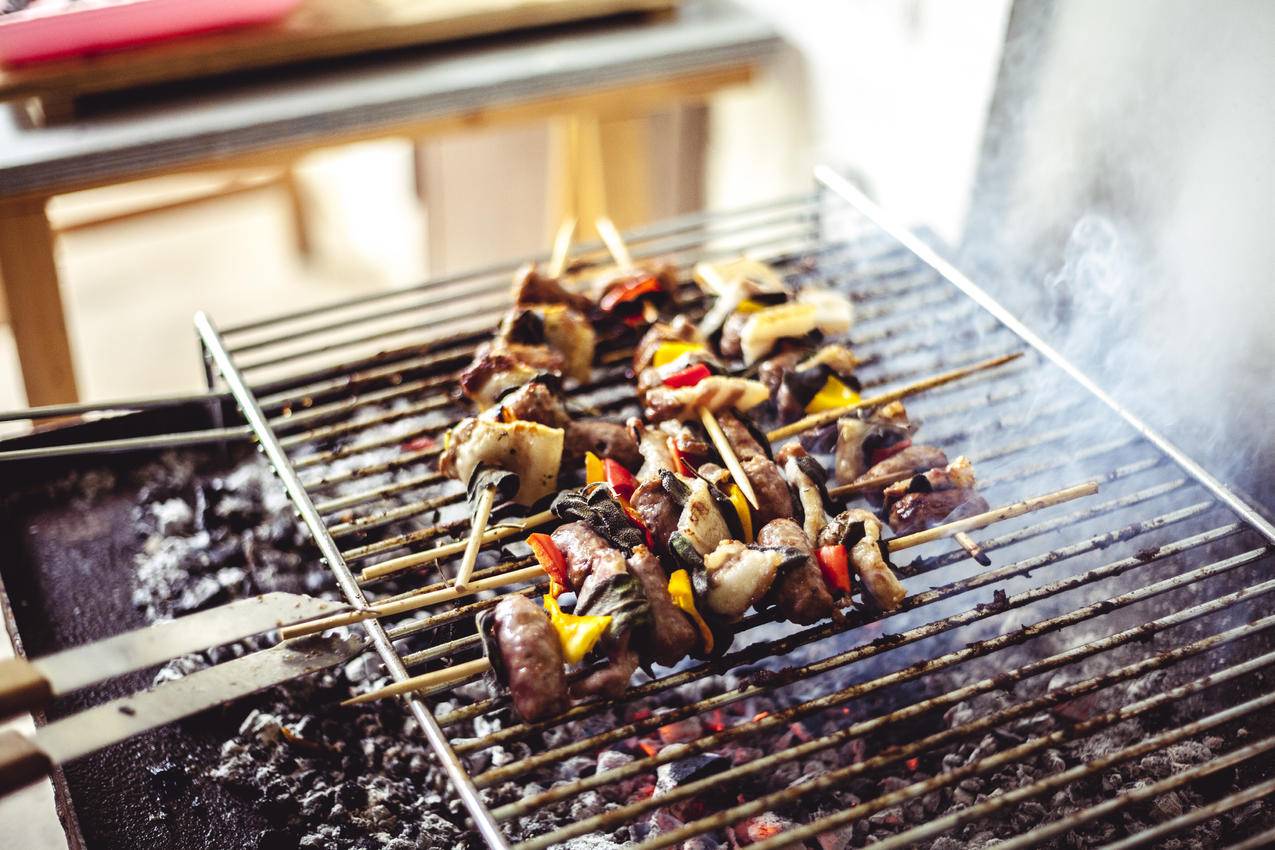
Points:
[[757, 726], [851, 194], [332, 556], [132, 444], [54, 411]]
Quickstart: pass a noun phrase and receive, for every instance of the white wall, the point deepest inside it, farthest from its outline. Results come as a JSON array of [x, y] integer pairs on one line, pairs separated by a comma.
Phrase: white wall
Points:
[[893, 92]]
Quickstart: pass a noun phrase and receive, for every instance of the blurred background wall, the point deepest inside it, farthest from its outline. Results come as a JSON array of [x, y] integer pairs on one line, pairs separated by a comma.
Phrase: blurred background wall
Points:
[[1104, 168]]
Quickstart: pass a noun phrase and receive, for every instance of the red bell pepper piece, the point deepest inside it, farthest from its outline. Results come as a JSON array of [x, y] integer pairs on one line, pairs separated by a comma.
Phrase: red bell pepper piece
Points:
[[636, 519], [835, 566], [629, 289], [620, 479], [551, 559], [888, 452], [688, 377]]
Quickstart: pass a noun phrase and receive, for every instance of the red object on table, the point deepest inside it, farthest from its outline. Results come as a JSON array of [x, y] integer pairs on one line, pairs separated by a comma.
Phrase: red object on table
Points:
[[49, 29]]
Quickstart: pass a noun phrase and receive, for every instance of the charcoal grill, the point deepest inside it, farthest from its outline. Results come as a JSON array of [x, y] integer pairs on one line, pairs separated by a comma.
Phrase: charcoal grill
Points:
[[1162, 573]]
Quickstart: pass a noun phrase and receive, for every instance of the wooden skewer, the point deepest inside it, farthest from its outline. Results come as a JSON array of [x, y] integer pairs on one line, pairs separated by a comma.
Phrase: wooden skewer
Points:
[[972, 548], [414, 602], [447, 550], [500, 532], [561, 247], [986, 518], [424, 681], [727, 451], [816, 420], [877, 482], [614, 242], [441, 678], [477, 528]]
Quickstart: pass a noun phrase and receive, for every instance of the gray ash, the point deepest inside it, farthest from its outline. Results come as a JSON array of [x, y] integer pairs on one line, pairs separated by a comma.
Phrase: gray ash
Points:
[[323, 775]]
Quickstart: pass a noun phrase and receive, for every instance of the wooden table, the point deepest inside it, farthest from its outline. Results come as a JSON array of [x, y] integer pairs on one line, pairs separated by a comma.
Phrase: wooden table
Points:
[[604, 72]]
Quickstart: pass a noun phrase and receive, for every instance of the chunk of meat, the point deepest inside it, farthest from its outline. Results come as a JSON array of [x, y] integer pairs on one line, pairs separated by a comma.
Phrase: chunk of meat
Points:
[[658, 511], [604, 439], [532, 658], [532, 450], [799, 591], [566, 331], [670, 635], [612, 678], [534, 402], [532, 287], [875, 575], [919, 511], [716, 392], [911, 459], [587, 553], [959, 474], [491, 373], [861, 435], [774, 499], [738, 578]]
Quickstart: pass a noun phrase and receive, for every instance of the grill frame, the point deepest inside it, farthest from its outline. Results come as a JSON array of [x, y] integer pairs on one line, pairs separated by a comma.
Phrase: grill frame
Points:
[[253, 399]]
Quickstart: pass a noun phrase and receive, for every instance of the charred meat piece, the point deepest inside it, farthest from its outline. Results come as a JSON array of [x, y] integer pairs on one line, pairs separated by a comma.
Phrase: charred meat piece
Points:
[[912, 459], [669, 636], [799, 591], [534, 402], [715, 393], [611, 679], [919, 511], [658, 511], [605, 439], [738, 577], [492, 373], [959, 474], [863, 439], [532, 287], [531, 658], [587, 553], [774, 499], [532, 450], [860, 532], [564, 330]]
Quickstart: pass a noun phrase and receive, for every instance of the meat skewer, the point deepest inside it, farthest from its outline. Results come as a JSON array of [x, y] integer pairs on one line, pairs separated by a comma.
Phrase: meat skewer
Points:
[[439, 678], [450, 549]]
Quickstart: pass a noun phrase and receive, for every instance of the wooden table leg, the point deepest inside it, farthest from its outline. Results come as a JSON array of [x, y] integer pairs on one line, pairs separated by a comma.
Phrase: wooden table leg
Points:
[[35, 302]]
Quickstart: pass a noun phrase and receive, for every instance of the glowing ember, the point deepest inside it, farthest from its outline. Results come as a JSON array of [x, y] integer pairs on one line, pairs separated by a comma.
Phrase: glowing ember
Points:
[[419, 444], [649, 747], [913, 764], [761, 715]]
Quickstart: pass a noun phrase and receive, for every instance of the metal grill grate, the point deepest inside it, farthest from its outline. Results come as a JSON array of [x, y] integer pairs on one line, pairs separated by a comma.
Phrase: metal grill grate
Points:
[[345, 402]]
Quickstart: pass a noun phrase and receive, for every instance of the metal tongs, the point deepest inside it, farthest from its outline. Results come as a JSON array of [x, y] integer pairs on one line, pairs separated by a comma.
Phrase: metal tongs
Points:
[[27, 685]]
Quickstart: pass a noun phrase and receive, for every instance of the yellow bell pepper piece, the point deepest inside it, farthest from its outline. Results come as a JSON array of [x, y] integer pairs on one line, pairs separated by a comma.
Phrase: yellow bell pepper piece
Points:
[[833, 395], [578, 635], [593, 468], [748, 305], [740, 501], [679, 587], [670, 351]]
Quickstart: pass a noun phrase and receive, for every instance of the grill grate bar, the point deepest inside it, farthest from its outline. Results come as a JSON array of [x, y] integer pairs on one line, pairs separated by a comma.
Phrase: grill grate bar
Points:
[[459, 525], [1149, 792], [865, 727], [951, 777], [1094, 766], [929, 565], [773, 649]]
